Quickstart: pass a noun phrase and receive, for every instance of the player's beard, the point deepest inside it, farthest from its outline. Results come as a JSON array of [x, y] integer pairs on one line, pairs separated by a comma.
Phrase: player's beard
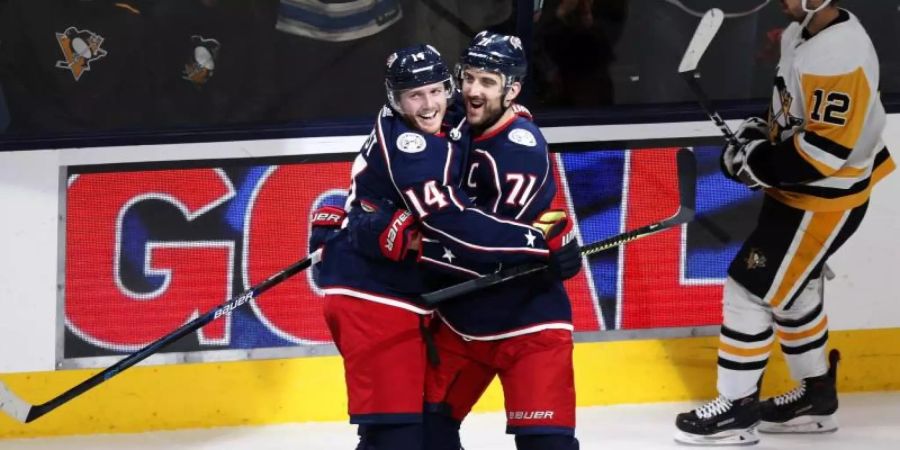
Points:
[[490, 113]]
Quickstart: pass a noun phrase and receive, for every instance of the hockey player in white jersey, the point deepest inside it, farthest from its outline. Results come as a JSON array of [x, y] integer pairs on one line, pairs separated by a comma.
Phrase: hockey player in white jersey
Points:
[[817, 158]]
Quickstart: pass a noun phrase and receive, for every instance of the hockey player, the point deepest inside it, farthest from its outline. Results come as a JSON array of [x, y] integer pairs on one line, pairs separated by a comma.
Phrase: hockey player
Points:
[[817, 158], [371, 305], [522, 331]]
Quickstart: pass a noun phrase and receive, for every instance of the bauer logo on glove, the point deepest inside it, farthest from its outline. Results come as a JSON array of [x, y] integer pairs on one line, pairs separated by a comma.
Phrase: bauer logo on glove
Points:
[[399, 235], [394, 231], [328, 216], [324, 222]]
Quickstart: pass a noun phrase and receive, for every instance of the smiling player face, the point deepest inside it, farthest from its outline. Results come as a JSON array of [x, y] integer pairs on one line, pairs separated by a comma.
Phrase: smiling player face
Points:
[[482, 92], [424, 107]]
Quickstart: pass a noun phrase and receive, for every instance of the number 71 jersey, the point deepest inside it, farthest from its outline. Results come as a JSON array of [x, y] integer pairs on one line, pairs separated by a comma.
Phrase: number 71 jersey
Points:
[[510, 175]]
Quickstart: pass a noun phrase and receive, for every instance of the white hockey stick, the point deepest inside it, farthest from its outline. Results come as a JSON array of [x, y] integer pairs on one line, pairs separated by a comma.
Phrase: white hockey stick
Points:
[[703, 36], [13, 405]]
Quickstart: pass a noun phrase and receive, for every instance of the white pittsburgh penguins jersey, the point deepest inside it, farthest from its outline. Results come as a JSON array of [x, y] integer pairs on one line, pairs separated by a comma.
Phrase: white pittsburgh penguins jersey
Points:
[[826, 103]]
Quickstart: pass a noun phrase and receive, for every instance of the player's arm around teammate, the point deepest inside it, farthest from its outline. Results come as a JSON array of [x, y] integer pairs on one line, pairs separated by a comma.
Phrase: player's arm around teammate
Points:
[[523, 332], [372, 305]]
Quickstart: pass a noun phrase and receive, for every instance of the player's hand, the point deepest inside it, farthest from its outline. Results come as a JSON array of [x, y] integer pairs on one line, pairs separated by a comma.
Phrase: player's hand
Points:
[[399, 235], [381, 230], [559, 233], [750, 129], [325, 222], [737, 162]]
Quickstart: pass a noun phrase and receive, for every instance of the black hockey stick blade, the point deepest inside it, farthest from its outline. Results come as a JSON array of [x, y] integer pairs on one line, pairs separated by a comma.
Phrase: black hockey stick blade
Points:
[[19, 409], [687, 197]]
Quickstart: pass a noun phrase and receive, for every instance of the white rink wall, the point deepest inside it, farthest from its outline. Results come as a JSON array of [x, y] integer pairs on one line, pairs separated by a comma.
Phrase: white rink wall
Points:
[[862, 296]]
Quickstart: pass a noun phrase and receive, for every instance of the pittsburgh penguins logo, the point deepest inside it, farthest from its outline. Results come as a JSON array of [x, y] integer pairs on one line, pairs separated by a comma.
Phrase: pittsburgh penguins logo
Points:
[[781, 118], [755, 259], [79, 48], [202, 60]]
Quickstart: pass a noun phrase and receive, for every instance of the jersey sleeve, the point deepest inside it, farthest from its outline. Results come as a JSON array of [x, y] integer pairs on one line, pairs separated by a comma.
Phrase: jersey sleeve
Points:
[[520, 170], [424, 169], [835, 110]]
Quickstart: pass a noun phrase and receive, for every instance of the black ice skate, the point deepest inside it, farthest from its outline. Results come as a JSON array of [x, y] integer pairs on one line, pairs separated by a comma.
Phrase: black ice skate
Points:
[[720, 422], [809, 408]]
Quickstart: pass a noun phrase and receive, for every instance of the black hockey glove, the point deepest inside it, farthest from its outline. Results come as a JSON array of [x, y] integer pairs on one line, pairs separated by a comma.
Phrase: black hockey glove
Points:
[[559, 233], [751, 129]]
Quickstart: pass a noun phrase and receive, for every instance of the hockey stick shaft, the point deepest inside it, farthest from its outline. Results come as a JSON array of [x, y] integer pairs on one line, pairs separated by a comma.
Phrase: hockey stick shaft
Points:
[[705, 103], [511, 273], [687, 192], [706, 30], [24, 412]]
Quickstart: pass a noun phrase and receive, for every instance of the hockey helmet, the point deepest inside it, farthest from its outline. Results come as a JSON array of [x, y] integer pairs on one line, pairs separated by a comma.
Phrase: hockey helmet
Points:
[[498, 53], [412, 67]]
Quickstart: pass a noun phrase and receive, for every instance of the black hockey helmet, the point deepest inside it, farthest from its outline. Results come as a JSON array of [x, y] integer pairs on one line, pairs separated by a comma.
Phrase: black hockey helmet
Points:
[[412, 67], [498, 53]]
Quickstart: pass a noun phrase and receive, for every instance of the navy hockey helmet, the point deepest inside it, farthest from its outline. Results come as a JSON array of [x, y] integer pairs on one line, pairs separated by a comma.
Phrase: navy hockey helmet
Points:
[[497, 53], [412, 67]]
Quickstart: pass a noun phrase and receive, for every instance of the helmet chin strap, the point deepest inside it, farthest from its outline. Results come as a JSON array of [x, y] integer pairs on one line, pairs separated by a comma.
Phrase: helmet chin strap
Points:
[[811, 12]]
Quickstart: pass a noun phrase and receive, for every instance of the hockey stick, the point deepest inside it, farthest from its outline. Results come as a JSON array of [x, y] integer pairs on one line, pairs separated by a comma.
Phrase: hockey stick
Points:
[[687, 193], [25, 412], [703, 36]]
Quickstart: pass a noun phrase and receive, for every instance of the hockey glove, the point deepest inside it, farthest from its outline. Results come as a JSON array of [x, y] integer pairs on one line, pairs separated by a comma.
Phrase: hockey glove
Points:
[[750, 129], [325, 223], [739, 164], [559, 233], [380, 230], [398, 236]]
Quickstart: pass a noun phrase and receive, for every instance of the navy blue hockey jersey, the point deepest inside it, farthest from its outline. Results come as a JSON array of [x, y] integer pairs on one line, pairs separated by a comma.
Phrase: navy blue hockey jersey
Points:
[[422, 173], [509, 175]]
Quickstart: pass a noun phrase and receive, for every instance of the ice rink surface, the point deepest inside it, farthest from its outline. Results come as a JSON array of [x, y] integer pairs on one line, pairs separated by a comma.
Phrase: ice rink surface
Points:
[[868, 422]]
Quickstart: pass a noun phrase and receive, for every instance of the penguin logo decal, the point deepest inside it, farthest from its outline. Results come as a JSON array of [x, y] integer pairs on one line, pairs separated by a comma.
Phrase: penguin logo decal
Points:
[[755, 260], [202, 62], [781, 119], [80, 48]]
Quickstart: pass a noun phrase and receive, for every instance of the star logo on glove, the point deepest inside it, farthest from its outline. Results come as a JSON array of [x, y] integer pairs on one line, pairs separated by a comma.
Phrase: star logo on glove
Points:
[[448, 255], [530, 237]]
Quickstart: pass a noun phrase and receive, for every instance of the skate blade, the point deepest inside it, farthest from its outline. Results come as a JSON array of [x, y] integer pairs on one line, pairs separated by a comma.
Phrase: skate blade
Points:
[[723, 438], [801, 425]]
